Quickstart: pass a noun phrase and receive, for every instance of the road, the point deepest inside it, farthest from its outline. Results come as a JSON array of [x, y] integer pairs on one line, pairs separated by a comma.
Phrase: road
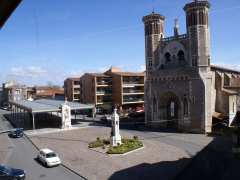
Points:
[[22, 155]]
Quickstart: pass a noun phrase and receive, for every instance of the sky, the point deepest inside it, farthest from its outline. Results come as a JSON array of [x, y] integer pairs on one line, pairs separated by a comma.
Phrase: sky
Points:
[[48, 40]]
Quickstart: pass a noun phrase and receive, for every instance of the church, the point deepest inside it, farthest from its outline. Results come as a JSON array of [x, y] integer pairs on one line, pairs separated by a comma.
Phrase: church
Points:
[[182, 89]]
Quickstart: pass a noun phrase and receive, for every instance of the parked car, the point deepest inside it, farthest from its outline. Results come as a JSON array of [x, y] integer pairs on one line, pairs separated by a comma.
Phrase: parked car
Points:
[[49, 158], [17, 133], [7, 173], [140, 114], [106, 118]]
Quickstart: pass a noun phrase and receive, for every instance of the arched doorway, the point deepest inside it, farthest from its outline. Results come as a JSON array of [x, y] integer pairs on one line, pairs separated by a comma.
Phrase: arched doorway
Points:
[[169, 109]]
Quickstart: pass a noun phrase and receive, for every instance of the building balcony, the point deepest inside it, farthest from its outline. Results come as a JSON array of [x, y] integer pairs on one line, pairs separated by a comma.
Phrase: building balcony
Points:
[[132, 100], [130, 91], [103, 93], [104, 84], [76, 86], [76, 92], [104, 102], [132, 84]]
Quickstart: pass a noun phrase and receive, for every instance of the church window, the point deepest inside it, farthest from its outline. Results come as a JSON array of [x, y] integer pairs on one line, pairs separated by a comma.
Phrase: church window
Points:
[[168, 57], [172, 109], [185, 106], [150, 63], [233, 107], [181, 56]]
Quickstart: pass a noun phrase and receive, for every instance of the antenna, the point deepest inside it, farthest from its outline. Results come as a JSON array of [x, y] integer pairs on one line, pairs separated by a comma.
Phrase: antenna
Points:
[[153, 7]]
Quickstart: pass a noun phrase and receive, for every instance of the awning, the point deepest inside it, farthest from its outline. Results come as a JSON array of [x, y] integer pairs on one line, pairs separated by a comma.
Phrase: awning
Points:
[[48, 105]]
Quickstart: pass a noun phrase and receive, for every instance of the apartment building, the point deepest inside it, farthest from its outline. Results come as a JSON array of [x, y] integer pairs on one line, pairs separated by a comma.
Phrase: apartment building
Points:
[[48, 92], [113, 88], [128, 89], [96, 88], [72, 90]]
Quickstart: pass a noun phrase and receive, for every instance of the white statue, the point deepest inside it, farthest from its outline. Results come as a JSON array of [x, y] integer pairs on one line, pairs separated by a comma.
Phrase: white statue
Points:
[[66, 116], [115, 139]]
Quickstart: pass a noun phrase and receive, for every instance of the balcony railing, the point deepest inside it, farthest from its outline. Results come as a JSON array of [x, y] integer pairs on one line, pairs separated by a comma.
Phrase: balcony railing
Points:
[[127, 91], [104, 83], [104, 92], [133, 82], [133, 99]]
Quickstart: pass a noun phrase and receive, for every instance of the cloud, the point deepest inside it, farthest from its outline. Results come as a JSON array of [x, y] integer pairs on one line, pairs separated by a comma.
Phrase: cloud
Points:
[[31, 71]]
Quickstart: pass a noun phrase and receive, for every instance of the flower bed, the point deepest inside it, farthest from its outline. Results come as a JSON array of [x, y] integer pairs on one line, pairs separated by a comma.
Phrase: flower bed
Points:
[[126, 146]]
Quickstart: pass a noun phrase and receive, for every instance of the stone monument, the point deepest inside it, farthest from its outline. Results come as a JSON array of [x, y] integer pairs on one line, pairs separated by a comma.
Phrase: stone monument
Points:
[[66, 116], [115, 139]]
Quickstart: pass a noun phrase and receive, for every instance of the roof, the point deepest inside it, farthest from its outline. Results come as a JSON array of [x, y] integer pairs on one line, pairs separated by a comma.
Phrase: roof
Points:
[[130, 73], [223, 69], [46, 151], [73, 79], [6, 9], [47, 105], [197, 3], [229, 92], [98, 74]]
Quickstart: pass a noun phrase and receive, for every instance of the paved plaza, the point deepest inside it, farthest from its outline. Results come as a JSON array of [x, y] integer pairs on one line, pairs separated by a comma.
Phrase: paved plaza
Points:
[[72, 147]]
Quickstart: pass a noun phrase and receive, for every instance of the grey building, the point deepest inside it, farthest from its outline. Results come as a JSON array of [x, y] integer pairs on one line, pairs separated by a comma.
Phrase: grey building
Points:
[[182, 89]]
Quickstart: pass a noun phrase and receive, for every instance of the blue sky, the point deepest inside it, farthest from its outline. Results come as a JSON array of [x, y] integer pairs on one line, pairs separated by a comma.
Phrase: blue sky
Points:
[[47, 41]]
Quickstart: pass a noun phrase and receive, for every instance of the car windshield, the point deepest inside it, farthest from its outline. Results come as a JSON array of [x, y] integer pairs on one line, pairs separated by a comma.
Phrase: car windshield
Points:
[[51, 155], [5, 169]]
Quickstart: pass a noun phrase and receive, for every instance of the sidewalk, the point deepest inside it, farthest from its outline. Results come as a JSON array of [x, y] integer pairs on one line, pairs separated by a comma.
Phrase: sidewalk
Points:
[[6, 144]]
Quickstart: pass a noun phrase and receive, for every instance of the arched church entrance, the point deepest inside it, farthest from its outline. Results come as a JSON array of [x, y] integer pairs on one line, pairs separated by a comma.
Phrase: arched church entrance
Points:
[[169, 106]]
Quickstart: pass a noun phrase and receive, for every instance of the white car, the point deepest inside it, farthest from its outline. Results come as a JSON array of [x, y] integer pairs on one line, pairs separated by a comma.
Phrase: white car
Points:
[[48, 157]]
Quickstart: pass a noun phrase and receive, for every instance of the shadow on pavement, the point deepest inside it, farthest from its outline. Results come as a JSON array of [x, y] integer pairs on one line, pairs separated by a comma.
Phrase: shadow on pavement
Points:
[[215, 161]]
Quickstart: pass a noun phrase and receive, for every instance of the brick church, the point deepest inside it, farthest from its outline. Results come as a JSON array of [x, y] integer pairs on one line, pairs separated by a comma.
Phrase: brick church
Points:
[[182, 89]]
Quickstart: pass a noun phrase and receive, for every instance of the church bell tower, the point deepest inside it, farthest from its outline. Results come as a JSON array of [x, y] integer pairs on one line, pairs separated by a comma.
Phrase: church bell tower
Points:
[[198, 33], [153, 25]]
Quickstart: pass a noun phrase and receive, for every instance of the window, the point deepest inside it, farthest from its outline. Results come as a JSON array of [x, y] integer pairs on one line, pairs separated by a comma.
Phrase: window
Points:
[[181, 56], [150, 63], [233, 107], [167, 57], [226, 80], [172, 109], [185, 106]]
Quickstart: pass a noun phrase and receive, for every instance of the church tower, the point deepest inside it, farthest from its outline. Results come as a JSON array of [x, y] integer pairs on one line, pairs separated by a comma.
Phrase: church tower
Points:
[[198, 33], [199, 54], [154, 24]]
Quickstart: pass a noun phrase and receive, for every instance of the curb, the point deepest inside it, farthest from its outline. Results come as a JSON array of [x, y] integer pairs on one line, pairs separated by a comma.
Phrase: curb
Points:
[[63, 165]]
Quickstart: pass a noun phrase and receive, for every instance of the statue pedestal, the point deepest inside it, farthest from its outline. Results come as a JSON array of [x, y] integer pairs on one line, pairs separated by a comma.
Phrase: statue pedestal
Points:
[[116, 138]]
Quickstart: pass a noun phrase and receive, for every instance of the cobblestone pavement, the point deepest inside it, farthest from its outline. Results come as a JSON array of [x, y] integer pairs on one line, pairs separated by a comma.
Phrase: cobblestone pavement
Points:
[[72, 146]]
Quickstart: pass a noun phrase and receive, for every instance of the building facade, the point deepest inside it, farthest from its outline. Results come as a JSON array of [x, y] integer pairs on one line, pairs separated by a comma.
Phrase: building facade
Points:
[[72, 89], [96, 88], [113, 88], [128, 89], [48, 92], [12, 91], [182, 89]]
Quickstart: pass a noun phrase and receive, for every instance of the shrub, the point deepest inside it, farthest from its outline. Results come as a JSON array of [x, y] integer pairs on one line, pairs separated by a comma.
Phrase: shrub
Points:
[[135, 137], [95, 144], [98, 139], [126, 146]]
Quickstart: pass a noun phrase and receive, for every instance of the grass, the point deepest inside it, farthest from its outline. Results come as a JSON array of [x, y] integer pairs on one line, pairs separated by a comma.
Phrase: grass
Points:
[[126, 146], [98, 143]]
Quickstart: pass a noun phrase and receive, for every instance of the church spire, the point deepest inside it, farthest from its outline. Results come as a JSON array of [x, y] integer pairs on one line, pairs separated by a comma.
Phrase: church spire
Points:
[[176, 27]]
